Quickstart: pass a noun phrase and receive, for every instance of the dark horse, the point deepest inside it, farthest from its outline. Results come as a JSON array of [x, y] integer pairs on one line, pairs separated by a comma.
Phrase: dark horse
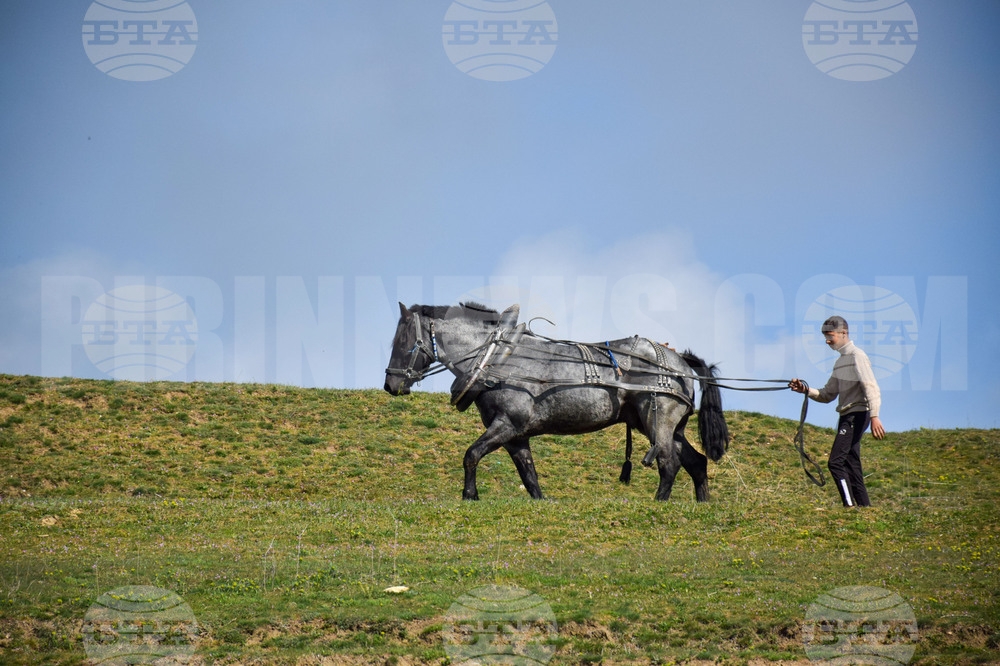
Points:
[[526, 385]]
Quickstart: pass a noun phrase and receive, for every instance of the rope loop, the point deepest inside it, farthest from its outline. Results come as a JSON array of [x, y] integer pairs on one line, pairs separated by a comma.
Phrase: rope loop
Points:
[[800, 443]]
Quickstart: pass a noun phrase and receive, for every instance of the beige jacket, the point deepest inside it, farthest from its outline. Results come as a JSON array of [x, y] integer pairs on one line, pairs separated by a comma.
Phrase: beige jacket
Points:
[[852, 380]]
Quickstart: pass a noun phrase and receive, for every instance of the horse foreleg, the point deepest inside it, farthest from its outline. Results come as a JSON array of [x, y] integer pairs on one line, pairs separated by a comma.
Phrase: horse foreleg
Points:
[[491, 440], [520, 453], [696, 465]]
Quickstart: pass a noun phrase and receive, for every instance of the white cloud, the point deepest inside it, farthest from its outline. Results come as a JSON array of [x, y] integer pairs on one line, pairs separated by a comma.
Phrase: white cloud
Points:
[[653, 285], [20, 294], [36, 295]]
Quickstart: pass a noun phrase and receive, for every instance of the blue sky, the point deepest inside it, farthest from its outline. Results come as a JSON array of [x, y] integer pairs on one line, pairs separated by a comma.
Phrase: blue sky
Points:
[[679, 170]]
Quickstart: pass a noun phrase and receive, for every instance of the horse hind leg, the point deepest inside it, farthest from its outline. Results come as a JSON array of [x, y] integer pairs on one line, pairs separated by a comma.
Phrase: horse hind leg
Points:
[[696, 465], [520, 453]]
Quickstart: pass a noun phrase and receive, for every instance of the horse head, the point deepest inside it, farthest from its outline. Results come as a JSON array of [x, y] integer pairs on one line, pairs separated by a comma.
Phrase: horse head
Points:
[[415, 349], [412, 352]]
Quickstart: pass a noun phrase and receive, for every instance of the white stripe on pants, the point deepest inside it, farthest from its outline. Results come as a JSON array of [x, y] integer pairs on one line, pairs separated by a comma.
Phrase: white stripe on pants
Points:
[[846, 491]]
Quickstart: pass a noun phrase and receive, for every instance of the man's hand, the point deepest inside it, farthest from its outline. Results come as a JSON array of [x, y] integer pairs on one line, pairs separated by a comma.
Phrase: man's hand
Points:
[[878, 432], [797, 385]]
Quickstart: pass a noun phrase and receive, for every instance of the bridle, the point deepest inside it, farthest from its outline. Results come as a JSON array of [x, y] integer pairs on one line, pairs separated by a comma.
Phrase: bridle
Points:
[[411, 375]]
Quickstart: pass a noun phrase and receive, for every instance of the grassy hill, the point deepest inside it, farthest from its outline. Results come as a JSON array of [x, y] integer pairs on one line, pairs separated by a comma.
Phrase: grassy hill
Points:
[[280, 515]]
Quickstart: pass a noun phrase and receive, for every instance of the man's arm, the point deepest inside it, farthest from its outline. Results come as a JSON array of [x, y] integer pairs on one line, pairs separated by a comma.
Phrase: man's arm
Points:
[[872, 393], [827, 394]]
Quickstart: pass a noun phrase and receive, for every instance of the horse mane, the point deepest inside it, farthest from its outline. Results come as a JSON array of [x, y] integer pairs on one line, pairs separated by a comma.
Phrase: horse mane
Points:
[[431, 311], [479, 307], [477, 311]]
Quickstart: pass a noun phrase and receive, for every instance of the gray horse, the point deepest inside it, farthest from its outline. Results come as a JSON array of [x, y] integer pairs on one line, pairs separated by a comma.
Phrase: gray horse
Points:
[[525, 385]]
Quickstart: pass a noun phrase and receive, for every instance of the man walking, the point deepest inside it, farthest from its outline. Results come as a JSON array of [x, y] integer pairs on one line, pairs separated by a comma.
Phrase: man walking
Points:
[[854, 382]]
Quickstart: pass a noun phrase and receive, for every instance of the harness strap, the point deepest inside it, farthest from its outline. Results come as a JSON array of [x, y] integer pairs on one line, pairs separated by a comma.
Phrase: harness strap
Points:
[[515, 380], [651, 434], [663, 379], [626, 475], [590, 373]]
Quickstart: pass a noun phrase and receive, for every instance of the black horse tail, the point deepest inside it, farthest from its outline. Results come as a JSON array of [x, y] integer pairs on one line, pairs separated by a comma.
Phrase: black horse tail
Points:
[[712, 426]]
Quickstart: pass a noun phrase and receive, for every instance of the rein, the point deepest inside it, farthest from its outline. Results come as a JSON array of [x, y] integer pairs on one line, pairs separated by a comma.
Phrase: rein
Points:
[[715, 381]]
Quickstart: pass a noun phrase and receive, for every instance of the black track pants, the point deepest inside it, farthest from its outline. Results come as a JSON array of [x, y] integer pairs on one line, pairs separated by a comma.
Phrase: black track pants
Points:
[[845, 459]]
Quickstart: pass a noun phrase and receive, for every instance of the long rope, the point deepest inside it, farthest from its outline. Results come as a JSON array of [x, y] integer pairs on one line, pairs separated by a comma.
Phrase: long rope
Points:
[[605, 348], [800, 443]]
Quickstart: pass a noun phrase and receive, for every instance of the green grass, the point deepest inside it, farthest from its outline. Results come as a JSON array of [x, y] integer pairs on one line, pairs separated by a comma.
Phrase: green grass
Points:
[[280, 515]]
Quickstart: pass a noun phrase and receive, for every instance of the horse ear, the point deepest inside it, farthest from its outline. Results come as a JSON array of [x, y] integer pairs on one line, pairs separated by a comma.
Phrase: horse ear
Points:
[[403, 312]]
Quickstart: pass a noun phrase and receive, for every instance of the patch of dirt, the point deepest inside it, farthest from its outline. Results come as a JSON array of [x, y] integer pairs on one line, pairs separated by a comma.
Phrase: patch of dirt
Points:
[[22, 636]]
